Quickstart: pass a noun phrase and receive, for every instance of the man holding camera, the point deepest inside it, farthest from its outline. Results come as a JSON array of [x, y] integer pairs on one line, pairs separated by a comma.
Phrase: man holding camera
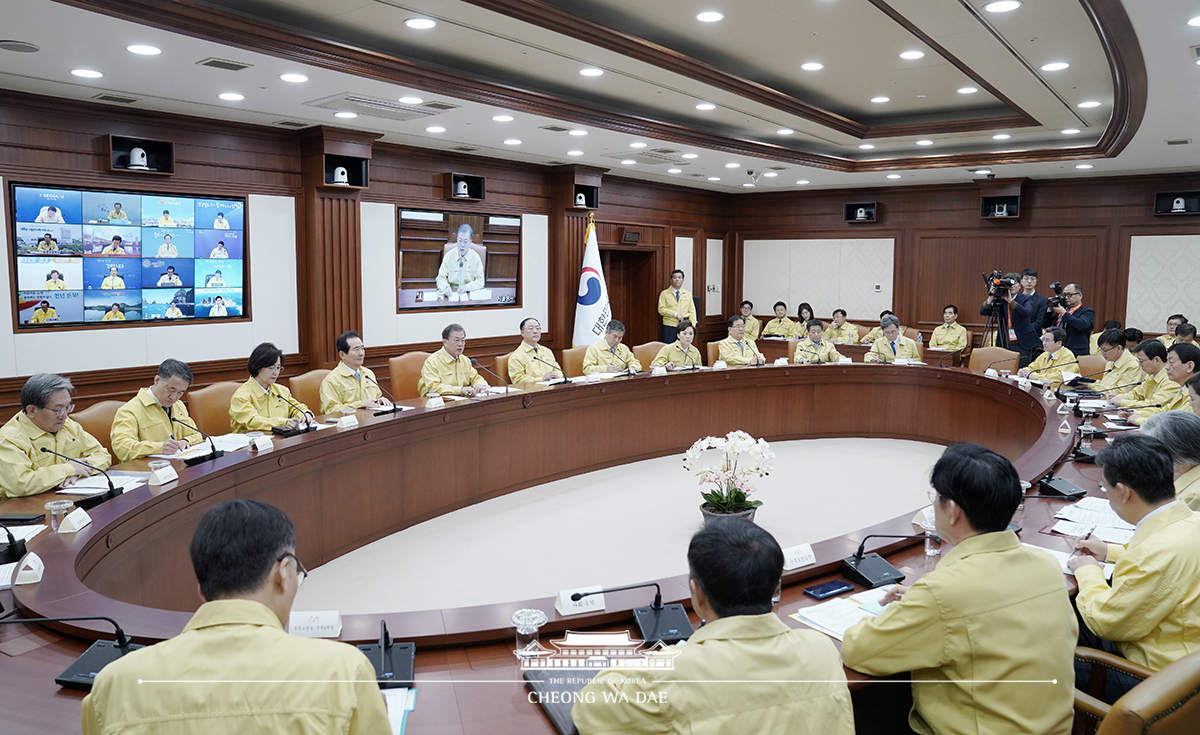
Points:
[[1019, 325], [1068, 313]]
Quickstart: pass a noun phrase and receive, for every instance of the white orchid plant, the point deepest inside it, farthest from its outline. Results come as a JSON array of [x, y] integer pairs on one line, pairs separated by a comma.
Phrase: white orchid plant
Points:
[[742, 458]]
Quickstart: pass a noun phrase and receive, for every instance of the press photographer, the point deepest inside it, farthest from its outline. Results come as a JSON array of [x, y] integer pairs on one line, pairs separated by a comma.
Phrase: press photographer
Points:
[[1068, 313], [1011, 324]]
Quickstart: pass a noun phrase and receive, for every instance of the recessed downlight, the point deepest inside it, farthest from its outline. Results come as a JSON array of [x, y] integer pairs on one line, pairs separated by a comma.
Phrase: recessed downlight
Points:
[[232, 96], [983, 171], [435, 129], [1055, 66], [411, 100], [784, 131], [1083, 166], [512, 141], [802, 182], [502, 118], [346, 115], [912, 55], [771, 174], [420, 24], [812, 66], [732, 165], [628, 162], [866, 146], [577, 132], [881, 100], [748, 185], [574, 153], [674, 170], [1194, 21], [87, 73], [637, 144], [143, 50], [924, 142], [968, 90], [1001, 136], [1071, 131], [591, 71], [1002, 6], [710, 16], [691, 155], [1088, 104], [893, 176], [293, 78], [706, 106], [714, 178]]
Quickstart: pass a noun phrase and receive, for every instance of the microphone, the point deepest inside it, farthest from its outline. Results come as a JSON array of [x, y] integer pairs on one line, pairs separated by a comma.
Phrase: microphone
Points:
[[554, 367], [1050, 367], [489, 372], [87, 502], [1122, 408], [392, 660], [191, 461], [81, 674], [948, 354], [811, 352], [658, 622], [285, 432], [15, 549], [1119, 387], [870, 570], [383, 411], [996, 362]]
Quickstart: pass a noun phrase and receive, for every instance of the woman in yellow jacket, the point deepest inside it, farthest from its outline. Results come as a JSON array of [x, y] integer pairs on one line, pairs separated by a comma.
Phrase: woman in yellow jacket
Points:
[[679, 354], [261, 404]]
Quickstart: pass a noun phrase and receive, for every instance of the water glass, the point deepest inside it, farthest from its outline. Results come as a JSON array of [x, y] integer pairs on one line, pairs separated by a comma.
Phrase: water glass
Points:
[[528, 622]]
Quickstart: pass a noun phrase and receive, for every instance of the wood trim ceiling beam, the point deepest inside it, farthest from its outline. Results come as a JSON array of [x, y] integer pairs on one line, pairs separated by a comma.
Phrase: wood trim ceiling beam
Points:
[[179, 16]]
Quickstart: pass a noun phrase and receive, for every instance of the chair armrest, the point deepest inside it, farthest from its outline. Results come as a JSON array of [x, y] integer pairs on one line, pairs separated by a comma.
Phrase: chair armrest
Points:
[[1089, 705], [1101, 662]]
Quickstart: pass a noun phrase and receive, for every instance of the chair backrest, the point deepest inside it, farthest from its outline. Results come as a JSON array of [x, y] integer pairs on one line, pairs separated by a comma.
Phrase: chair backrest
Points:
[[714, 351], [502, 366], [474, 246], [1091, 364], [1168, 703], [97, 420], [406, 371], [913, 334], [982, 357], [791, 343], [646, 353], [209, 407], [306, 388], [572, 361], [862, 331]]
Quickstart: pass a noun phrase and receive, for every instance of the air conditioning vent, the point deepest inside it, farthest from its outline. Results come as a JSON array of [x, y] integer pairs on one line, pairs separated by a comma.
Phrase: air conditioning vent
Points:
[[115, 99], [292, 124], [554, 128], [440, 106], [652, 157], [700, 175], [374, 107], [464, 149], [556, 163], [776, 168], [665, 151], [1179, 141], [225, 64], [20, 47]]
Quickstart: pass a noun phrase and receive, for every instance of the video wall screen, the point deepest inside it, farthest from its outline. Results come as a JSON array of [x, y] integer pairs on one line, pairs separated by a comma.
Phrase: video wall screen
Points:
[[454, 260], [85, 256]]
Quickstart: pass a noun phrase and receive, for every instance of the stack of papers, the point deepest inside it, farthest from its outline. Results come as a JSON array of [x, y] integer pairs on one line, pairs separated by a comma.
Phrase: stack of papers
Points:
[[1062, 556], [98, 484], [1093, 515], [836, 616], [225, 442], [399, 703]]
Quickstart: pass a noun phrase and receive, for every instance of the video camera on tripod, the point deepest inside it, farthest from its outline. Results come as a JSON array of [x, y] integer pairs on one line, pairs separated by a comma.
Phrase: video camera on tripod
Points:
[[998, 286]]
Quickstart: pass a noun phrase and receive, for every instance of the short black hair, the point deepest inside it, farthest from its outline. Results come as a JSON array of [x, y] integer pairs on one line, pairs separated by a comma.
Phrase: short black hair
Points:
[[813, 323], [779, 304], [1186, 353], [263, 356], [885, 312], [451, 328], [1134, 335], [526, 319], [839, 311], [1112, 324], [1029, 272], [117, 238], [685, 324], [171, 368], [1140, 462], [746, 303], [1193, 383], [236, 544], [737, 565], [1185, 330], [1152, 348], [170, 267], [1179, 318], [343, 340], [1058, 333], [950, 306], [1112, 338], [734, 320], [984, 484], [677, 270]]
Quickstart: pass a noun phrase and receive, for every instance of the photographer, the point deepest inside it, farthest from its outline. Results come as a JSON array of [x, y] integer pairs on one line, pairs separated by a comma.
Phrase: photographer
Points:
[[1068, 313], [1015, 322]]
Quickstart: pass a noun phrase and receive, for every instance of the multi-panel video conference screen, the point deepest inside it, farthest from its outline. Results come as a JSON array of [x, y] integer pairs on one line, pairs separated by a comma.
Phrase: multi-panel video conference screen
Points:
[[86, 256]]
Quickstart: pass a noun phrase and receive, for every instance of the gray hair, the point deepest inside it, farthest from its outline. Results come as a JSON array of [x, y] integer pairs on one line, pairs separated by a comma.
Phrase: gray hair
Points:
[[614, 326], [1179, 431], [175, 369], [889, 321], [38, 389]]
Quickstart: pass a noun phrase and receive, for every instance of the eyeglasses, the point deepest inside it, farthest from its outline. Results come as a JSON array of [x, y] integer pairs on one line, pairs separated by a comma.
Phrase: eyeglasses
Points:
[[276, 367], [301, 572], [933, 496], [63, 412]]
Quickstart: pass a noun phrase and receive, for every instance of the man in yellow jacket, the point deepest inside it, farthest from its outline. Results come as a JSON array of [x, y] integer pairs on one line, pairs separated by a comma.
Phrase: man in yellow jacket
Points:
[[144, 426], [1150, 612], [1122, 374], [766, 678], [814, 349], [892, 345], [840, 330], [753, 325], [1173, 323], [1049, 365], [1179, 431], [993, 616], [675, 303], [609, 355], [531, 362], [351, 385], [113, 280], [448, 371], [782, 325], [950, 335], [1159, 392], [44, 313], [736, 350]]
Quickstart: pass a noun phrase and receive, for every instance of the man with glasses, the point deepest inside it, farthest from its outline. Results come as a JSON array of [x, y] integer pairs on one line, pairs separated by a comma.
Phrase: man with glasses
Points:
[[448, 371], [531, 362], [42, 423], [1156, 390], [1074, 318], [610, 355], [144, 425], [234, 668], [1122, 374], [351, 385]]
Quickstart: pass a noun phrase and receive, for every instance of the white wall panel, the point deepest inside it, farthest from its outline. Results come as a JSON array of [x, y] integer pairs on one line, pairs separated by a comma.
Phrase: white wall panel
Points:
[[1162, 280], [827, 273], [715, 256]]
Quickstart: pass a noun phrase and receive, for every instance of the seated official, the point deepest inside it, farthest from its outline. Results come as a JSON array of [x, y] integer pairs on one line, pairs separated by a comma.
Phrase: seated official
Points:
[[171, 278], [681, 353], [55, 282], [173, 312], [116, 213], [993, 610], [950, 335], [1173, 323], [115, 247], [461, 268], [736, 350], [1133, 338], [44, 313], [1179, 432], [47, 243], [165, 220], [892, 345], [167, 249], [218, 307], [42, 422], [1193, 390], [244, 673], [261, 403], [1049, 365], [216, 281], [1121, 374], [112, 281], [877, 332], [609, 355], [1094, 348], [219, 251], [1150, 611], [674, 304], [530, 362], [1158, 392], [781, 325], [114, 314], [448, 371], [813, 349], [753, 325], [143, 426], [773, 680], [841, 331], [351, 385]]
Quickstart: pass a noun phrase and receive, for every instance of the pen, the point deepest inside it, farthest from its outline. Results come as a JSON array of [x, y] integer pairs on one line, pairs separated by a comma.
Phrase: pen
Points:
[[1084, 537]]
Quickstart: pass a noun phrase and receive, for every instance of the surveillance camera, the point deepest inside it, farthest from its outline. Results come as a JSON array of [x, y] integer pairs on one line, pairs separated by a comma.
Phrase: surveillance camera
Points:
[[991, 176], [750, 173]]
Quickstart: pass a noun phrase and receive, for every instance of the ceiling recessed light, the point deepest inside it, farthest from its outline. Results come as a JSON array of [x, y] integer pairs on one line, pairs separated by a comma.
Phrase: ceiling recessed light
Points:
[[1001, 136], [1194, 21], [502, 118], [747, 184], [924, 142], [674, 170], [435, 129], [574, 153], [293, 78], [802, 182], [784, 131], [420, 24], [637, 145], [706, 106], [710, 17], [1071, 131], [771, 174], [1089, 103], [19, 47], [1002, 6], [812, 66], [87, 73], [1083, 165], [893, 176], [732, 165], [714, 178], [910, 55], [346, 115], [411, 100], [983, 171], [232, 96], [1055, 66], [967, 90], [591, 71], [577, 132], [143, 50], [512, 141], [628, 162], [866, 146], [880, 100], [691, 155]]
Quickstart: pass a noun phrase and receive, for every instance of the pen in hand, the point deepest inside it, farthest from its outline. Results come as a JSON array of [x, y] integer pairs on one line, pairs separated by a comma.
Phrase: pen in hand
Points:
[[1084, 537]]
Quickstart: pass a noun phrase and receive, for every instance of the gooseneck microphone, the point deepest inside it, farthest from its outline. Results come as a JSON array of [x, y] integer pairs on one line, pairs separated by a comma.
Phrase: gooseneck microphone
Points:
[[489, 372], [296, 407], [657, 605], [1051, 367], [383, 411], [552, 366], [215, 453], [658, 622], [871, 570], [811, 351], [14, 550], [81, 674], [112, 489], [949, 354], [997, 362]]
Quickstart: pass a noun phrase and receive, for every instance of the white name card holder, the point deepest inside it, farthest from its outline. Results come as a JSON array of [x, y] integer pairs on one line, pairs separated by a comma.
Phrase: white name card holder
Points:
[[593, 377], [845, 360], [262, 444], [991, 373], [349, 421], [74, 521], [781, 361], [30, 570], [592, 603], [658, 370], [163, 475], [798, 556], [435, 402], [719, 365], [316, 624]]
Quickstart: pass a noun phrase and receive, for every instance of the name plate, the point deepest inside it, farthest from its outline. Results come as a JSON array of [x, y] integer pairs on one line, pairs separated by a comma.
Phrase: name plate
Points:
[[31, 570], [719, 365], [991, 373], [349, 421], [592, 603], [435, 402], [262, 444], [798, 556], [1024, 384], [844, 360], [318, 624], [593, 377], [1049, 395], [781, 361], [658, 370], [74, 521], [163, 475]]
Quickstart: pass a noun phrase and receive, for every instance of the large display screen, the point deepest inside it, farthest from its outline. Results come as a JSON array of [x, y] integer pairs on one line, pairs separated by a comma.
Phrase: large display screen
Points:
[[85, 256], [456, 260]]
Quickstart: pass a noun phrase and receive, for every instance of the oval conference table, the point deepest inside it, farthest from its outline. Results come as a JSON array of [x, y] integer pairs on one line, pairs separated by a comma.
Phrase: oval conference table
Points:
[[345, 488]]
